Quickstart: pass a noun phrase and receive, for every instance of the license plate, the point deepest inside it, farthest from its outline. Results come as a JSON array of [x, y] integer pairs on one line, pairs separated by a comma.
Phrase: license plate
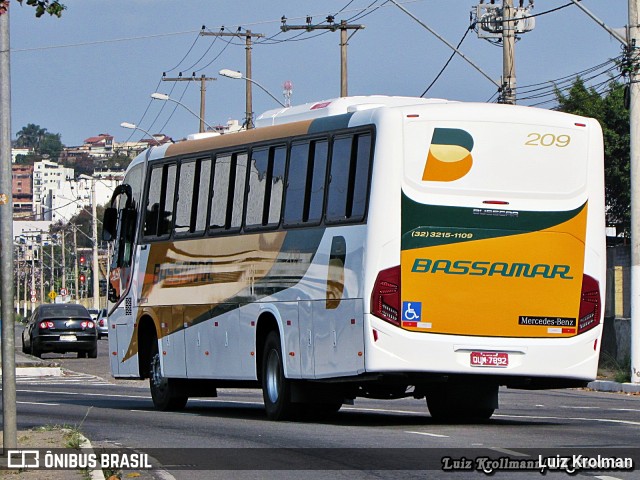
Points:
[[489, 359], [68, 338]]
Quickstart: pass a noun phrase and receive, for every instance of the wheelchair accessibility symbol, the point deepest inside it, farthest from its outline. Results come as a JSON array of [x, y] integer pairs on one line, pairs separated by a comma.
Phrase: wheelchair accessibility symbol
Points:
[[411, 311]]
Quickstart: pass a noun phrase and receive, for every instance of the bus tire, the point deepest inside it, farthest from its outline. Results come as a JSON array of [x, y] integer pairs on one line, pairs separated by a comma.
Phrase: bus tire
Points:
[[276, 389], [163, 390]]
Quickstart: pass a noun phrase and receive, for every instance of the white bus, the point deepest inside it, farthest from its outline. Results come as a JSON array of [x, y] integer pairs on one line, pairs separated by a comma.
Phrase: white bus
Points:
[[372, 246]]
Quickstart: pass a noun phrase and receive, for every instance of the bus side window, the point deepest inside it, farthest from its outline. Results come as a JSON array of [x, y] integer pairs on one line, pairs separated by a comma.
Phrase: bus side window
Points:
[[361, 180], [153, 203], [314, 198], [227, 201], [264, 201], [185, 197], [349, 179], [258, 178], [221, 172], [276, 186], [339, 179], [159, 214], [296, 183], [203, 194], [236, 196], [168, 197]]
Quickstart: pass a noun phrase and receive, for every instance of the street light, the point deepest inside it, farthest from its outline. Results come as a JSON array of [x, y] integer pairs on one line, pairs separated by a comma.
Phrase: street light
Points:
[[225, 72], [166, 98], [133, 126]]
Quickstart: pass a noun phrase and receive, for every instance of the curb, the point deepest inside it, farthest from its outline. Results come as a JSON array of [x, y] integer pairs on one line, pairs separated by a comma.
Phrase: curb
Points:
[[37, 372], [609, 386], [30, 366], [85, 445]]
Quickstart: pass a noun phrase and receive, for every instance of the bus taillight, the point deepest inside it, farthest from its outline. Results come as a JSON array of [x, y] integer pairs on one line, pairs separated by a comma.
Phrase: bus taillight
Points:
[[589, 304], [385, 298]]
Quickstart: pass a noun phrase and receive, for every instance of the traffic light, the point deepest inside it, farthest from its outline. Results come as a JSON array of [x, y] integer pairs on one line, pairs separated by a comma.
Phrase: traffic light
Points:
[[82, 260], [83, 278]]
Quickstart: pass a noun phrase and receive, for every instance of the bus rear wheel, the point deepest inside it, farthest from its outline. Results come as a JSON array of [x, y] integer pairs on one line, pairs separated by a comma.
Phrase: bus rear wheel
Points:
[[276, 389], [164, 393]]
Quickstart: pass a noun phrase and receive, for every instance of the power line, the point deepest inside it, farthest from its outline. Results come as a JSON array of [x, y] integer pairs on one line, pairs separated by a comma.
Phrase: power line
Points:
[[186, 54], [101, 42], [453, 54]]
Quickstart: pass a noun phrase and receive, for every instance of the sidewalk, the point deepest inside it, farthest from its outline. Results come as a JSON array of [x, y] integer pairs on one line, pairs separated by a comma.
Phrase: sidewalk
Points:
[[27, 365]]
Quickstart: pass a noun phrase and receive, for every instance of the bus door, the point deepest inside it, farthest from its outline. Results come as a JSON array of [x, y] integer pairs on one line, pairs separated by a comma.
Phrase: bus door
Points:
[[119, 227]]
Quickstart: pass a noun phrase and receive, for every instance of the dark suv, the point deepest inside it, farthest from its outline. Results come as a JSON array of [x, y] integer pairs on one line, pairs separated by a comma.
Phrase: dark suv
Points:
[[60, 328]]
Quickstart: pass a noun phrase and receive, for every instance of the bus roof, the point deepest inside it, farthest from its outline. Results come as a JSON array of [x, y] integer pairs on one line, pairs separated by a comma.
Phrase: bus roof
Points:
[[336, 106]]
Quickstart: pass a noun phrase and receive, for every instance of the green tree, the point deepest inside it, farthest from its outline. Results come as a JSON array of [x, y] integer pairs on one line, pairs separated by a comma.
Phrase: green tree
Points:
[[52, 7], [609, 109], [51, 145], [83, 221], [31, 136], [40, 140]]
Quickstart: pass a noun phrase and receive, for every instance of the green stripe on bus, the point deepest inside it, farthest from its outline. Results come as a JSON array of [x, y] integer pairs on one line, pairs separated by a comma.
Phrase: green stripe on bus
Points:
[[454, 224]]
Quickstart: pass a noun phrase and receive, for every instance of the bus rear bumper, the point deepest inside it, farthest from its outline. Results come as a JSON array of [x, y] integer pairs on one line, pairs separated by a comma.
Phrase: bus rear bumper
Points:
[[515, 362]]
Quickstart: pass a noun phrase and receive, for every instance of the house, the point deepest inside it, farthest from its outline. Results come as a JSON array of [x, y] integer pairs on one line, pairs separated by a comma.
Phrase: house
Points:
[[100, 146], [22, 190]]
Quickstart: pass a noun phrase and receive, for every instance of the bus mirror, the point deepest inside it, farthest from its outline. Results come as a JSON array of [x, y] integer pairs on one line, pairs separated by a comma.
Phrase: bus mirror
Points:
[[109, 224]]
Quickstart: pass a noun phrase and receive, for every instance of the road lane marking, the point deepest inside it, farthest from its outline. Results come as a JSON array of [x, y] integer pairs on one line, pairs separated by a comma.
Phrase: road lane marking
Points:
[[220, 400], [582, 408], [113, 395], [40, 403], [382, 410], [430, 434], [603, 420], [513, 453]]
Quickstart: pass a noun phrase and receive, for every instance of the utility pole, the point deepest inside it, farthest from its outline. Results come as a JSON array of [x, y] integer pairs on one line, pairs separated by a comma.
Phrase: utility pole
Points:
[[24, 305], [33, 277], [632, 50], [18, 280], [343, 26], [41, 249], [64, 262], [248, 36], [633, 44], [94, 239], [75, 263], [51, 287], [203, 90], [508, 53], [9, 421]]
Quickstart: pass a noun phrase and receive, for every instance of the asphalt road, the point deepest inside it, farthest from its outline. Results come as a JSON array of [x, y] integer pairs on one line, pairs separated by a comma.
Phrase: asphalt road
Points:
[[372, 439]]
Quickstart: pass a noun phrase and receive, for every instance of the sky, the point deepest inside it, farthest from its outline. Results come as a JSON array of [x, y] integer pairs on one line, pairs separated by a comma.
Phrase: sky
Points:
[[85, 73]]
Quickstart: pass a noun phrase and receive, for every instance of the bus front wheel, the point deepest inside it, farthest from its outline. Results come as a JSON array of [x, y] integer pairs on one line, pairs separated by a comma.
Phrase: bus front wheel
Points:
[[276, 389], [164, 393]]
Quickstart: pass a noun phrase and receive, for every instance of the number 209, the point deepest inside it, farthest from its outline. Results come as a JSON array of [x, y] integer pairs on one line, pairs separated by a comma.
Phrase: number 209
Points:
[[547, 140]]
